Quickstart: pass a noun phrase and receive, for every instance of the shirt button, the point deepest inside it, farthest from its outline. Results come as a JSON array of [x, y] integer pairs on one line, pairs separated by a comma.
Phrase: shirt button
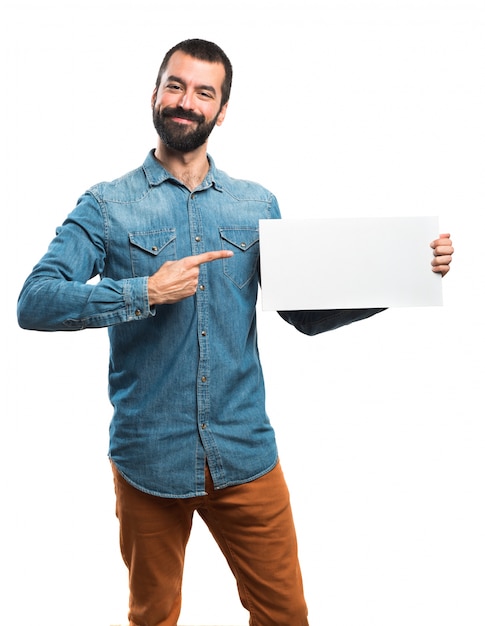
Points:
[[203, 333], [202, 287], [197, 238], [204, 426], [138, 312], [204, 379]]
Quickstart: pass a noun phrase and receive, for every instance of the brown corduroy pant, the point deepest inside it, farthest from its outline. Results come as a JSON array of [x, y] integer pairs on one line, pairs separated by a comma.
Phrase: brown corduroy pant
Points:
[[253, 526]]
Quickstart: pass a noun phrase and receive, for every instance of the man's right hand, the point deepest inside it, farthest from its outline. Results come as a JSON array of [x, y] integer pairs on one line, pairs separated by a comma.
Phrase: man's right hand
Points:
[[176, 280]]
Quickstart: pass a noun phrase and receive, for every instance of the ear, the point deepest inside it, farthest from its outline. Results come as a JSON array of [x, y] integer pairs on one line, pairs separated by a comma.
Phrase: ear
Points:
[[222, 114], [154, 96]]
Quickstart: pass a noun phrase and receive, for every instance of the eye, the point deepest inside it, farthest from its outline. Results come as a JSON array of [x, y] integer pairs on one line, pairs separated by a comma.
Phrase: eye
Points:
[[205, 94]]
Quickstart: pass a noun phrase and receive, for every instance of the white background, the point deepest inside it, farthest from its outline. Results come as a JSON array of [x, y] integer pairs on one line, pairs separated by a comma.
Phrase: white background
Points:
[[341, 108]]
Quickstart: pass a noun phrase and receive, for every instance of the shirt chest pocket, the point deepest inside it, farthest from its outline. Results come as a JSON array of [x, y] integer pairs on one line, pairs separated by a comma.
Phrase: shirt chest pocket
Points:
[[149, 250], [243, 265]]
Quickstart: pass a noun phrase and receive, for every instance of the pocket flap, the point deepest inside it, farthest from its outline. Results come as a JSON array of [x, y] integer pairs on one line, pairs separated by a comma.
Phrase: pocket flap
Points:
[[242, 238], [153, 241]]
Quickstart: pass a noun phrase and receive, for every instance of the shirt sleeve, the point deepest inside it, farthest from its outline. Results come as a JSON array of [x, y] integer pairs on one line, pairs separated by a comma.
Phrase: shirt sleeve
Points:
[[316, 322], [57, 295]]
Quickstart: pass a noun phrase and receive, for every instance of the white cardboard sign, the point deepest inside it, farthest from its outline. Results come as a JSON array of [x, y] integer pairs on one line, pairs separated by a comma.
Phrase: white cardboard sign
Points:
[[348, 263]]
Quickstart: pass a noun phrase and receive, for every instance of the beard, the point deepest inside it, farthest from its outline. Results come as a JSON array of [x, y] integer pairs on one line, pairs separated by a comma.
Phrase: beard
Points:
[[181, 137]]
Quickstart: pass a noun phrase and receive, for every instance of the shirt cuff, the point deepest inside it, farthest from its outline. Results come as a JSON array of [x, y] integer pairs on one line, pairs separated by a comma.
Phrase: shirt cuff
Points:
[[135, 295]]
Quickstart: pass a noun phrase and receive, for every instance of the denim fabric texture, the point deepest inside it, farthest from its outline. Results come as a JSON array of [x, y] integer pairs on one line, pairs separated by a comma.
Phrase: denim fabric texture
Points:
[[185, 379]]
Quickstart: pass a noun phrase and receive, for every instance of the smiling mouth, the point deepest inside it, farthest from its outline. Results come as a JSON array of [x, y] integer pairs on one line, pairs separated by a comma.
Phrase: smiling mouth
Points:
[[182, 120], [180, 116]]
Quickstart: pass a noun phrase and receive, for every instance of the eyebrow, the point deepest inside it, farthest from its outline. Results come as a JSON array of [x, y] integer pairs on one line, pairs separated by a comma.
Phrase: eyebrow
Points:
[[177, 79]]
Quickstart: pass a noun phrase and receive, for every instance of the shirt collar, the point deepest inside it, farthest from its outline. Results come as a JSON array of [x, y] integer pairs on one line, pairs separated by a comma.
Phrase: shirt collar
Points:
[[156, 174]]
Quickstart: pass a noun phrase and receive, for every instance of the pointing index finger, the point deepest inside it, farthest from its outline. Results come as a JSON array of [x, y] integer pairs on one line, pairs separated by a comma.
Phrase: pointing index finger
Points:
[[213, 255]]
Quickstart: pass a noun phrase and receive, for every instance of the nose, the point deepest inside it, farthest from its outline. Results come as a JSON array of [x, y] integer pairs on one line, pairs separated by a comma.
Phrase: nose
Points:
[[187, 100]]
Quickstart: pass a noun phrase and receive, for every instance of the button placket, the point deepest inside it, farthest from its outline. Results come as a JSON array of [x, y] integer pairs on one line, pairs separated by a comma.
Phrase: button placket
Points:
[[201, 300]]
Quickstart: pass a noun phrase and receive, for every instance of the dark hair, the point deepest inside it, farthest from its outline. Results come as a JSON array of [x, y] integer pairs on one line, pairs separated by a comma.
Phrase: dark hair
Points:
[[205, 51]]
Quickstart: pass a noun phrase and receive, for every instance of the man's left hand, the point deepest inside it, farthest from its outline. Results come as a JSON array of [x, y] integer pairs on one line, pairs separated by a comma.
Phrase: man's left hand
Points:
[[442, 250]]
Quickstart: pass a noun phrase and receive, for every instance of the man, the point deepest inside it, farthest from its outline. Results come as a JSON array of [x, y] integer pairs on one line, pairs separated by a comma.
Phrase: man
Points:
[[175, 244]]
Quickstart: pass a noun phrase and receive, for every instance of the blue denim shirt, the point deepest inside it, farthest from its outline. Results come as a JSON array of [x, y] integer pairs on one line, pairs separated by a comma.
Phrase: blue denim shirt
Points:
[[185, 379]]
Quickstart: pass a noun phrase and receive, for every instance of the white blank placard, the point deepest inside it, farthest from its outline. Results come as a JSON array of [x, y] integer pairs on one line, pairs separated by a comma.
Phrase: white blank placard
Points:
[[348, 263]]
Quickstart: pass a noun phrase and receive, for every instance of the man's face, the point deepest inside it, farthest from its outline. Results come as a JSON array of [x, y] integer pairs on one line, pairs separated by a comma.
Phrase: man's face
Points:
[[187, 104]]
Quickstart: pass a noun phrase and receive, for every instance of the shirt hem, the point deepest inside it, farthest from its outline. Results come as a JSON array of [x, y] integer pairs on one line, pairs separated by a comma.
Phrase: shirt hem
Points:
[[158, 494]]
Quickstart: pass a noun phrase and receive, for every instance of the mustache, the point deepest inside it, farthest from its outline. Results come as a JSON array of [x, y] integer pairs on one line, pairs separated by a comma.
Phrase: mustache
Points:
[[182, 113]]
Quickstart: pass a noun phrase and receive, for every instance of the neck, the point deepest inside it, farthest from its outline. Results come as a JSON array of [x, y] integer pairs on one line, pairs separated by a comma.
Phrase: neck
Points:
[[189, 168]]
